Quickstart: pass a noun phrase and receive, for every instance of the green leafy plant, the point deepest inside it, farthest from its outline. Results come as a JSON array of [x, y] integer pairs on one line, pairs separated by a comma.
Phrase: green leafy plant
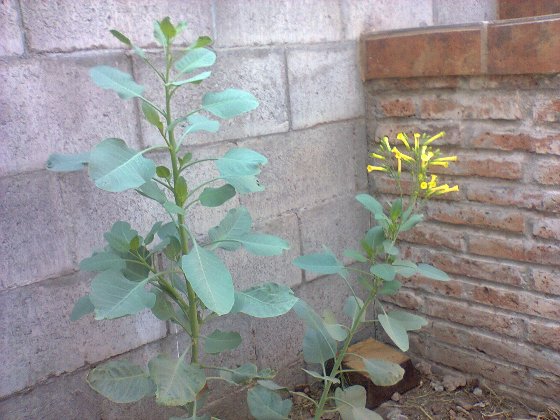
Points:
[[325, 339], [193, 285]]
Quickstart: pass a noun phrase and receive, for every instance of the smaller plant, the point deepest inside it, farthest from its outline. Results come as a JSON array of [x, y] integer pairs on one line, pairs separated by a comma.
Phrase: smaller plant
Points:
[[325, 338]]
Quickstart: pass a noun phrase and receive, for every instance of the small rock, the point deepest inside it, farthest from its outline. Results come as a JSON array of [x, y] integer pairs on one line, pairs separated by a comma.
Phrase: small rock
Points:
[[465, 405], [396, 397], [478, 392], [424, 368], [452, 382], [396, 414], [436, 386]]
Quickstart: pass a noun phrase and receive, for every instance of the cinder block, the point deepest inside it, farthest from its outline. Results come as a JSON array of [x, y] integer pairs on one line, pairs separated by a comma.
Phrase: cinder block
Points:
[[380, 15], [463, 11], [48, 343], [324, 85], [251, 22], [338, 224], [50, 105], [80, 25], [35, 242], [259, 71], [11, 37], [249, 270], [307, 167]]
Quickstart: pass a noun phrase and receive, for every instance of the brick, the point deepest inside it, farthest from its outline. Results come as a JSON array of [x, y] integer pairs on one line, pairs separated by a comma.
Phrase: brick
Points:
[[248, 270], [38, 116], [520, 395], [547, 111], [48, 343], [507, 81], [324, 85], [514, 141], [485, 165], [544, 334], [259, 71], [514, 249], [303, 165], [393, 107], [499, 347], [465, 313], [535, 40], [520, 196], [475, 106], [452, 288], [546, 281], [446, 13], [434, 52], [250, 22], [435, 235], [407, 299], [373, 16], [82, 26], [518, 301], [546, 385], [408, 84], [547, 228], [467, 214], [330, 224], [513, 9], [546, 171], [11, 38], [35, 244]]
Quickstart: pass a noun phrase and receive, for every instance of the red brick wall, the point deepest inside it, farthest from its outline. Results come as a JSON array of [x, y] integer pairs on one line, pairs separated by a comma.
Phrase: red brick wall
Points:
[[498, 238]]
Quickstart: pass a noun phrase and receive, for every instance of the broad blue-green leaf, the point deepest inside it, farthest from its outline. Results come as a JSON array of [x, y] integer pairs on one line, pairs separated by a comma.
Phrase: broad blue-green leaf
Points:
[[151, 234], [168, 230], [370, 204], [121, 381], [335, 330], [382, 372], [265, 404], [405, 268], [114, 296], [202, 41], [119, 236], [236, 224], [268, 384], [151, 190], [395, 330], [220, 341], [177, 382], [385, 271], [264, 301], [352, 308], [354, 255], [244, 184], [411, 222], [396, 209], [245, 373], [321, 263], [431, 272], [390, 288], [163, 309], [152, 116], [317, 375], [241, 161], [67, 163], [410, 322], [318, 345], [350, 403], [173, 208], [263, 244], [389, 248], [195, 79], [114, 167], [111, 78], [229, 103], [195, 59], [101, 261], [81, 308], [214, 197], [375, 236], [209, 278]]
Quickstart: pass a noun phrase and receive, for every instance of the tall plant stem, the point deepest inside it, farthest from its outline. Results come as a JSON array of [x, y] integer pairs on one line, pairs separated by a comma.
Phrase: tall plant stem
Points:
[[192, 314], [341, 353]]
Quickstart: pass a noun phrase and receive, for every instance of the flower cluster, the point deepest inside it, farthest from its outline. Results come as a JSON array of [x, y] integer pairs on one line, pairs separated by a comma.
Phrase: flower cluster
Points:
[[418, 158]]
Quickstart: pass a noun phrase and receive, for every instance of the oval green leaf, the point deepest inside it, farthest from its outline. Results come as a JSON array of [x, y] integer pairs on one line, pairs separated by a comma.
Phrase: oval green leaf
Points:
[[111, 78], [67, 163], [194, 59], [265, 404], [220, 341], [264, 301], [229, 103]]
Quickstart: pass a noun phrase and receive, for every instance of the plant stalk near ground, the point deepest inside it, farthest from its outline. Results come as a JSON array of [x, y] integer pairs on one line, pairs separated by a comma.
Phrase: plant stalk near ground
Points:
[[194, 286], [379, 269]]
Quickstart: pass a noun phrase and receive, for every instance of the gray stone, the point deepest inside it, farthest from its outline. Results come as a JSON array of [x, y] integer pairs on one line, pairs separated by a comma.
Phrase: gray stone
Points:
[[250, 22], [464, 11], [259, 71], [324, 84], [35, 243], [477, 391], [44, 342], [11, 37], [49, 105], [307, 167], [82, 25], [452, 382], [367, 16]]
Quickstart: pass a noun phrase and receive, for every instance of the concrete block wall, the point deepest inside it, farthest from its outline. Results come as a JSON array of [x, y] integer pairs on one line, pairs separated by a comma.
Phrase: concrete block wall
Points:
[[298, 57]]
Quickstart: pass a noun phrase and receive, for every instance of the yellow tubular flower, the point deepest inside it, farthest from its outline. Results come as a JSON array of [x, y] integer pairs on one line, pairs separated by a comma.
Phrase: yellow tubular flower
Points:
[[434, 138], [386, 142], [399, 165], [444, 164], [375, 155], [416, 140], [424, 185], [400, 155], [446, 159], [453, 189], [432, 183], [402, 137], [371, 168]]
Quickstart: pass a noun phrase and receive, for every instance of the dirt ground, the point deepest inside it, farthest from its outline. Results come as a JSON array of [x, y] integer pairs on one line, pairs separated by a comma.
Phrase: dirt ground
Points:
[[434, 401]]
